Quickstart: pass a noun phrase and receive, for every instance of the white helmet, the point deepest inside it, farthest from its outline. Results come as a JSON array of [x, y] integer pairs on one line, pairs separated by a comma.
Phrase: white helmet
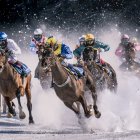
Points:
[[38, 32]]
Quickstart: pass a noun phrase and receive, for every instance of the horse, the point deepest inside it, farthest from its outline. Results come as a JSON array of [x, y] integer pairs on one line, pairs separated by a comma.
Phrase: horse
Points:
[[44, 74], [102, 78], [12, 86], [68, 88], [130, 64], [129, 55]]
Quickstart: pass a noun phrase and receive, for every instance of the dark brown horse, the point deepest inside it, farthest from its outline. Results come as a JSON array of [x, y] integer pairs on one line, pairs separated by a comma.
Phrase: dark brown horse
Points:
[[12, 86], [130, 64], [70, 89], [102, 78], [44, 73], [129, 54]]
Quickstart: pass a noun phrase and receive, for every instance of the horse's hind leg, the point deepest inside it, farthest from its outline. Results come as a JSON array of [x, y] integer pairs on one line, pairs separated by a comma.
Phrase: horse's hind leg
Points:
[[10, 108], [29, 104], [21, 113]]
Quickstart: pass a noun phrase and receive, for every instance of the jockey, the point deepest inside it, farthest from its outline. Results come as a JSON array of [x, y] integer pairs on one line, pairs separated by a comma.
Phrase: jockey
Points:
[[81, 41], [98, 46], [38, 40], [63, 51], [11, 49], [125, 41]]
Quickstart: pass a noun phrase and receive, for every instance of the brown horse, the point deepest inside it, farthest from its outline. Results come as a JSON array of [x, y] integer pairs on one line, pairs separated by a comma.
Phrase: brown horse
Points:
[[13, 86], [130, 64], [70, 89], [102, 78], [43, 73]]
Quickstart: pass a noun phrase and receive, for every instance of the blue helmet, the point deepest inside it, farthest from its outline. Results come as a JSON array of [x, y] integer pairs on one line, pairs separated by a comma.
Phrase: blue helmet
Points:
[[3, 36]]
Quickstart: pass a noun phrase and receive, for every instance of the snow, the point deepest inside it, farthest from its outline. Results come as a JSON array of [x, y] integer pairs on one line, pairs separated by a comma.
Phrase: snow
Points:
[[120, 112]]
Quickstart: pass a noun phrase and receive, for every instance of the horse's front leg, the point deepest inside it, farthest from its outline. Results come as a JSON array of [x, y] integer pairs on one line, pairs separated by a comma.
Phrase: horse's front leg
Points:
[[96, 111], [29, 104], [11, 110], [21, 113]]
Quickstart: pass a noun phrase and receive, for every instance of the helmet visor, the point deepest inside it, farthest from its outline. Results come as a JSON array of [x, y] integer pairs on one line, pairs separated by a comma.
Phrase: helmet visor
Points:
[[125, 40], [38, 37], [3, 43], [90, 42]]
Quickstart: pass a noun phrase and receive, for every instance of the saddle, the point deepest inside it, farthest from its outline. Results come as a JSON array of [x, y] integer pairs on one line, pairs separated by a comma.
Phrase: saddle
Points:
[[21, 68]]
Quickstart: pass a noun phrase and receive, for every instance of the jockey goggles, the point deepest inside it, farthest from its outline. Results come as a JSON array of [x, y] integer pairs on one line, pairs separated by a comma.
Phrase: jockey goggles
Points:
[[90, 42], [37, 37], [3, 43]]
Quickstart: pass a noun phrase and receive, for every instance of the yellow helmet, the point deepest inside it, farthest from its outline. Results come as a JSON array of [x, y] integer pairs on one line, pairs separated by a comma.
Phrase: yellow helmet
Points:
[[51, 41], [89, 37]]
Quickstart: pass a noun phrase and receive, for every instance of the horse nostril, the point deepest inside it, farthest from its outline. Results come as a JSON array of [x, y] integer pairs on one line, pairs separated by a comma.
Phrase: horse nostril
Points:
[[0, 67]]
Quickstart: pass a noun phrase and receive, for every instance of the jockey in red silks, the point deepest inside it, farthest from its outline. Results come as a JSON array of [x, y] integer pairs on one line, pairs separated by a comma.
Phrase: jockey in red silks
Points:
[[125, 41]]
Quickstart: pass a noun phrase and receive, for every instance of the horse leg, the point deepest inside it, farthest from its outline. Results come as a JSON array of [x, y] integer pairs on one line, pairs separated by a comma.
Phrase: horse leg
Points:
[[10, 108], [29, 104], [72, 107], [97, 113], [4, 106], [84, 105], [92, 88], [21, 113]]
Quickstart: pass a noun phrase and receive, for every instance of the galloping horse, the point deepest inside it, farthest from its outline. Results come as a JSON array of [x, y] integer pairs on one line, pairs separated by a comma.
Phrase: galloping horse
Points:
[[68, 88], [102, 78], [44, 74], [12, 86], [130, 64]]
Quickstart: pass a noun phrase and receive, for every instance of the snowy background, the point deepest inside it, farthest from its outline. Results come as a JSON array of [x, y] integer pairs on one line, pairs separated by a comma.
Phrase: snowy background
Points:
[[67, 20]]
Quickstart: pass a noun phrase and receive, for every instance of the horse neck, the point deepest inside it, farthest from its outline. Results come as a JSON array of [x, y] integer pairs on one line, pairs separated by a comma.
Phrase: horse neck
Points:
[[7, 72], [58, 72]]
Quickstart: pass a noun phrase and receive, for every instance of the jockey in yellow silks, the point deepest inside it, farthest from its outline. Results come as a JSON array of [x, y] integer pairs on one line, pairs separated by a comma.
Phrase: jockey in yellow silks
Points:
[[62, 50]]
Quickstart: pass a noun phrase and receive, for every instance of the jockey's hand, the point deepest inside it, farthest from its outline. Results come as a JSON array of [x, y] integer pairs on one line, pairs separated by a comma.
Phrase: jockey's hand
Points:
[[61, 57], [101, 50], [81, 62]]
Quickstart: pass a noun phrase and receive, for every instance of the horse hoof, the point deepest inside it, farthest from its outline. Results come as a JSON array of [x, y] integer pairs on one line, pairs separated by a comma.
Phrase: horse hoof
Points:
[[31, 122], [22, 115], [13, 112], [9, 115], [97, 114], [90, 113]]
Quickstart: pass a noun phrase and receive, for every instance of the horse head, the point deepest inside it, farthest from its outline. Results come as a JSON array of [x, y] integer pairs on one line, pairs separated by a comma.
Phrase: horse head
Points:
[[89, 55], [129, 53], [3, 60], [45, 58]]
